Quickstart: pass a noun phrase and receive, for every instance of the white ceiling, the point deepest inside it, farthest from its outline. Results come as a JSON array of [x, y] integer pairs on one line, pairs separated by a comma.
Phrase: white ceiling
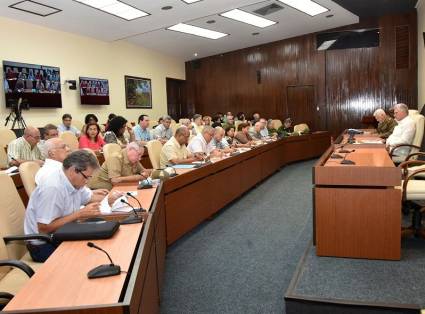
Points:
[[150, 31]]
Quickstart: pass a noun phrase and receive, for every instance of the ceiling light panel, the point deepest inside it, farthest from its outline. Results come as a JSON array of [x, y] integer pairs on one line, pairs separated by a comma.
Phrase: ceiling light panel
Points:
[[307, 6], [115, 7], [326, 44], [248, 18], [35, 8], [197, 31], [191, 1]]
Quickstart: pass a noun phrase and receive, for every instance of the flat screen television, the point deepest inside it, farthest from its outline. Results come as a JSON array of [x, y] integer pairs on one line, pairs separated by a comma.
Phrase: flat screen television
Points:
[[94, 91], [38, 86]]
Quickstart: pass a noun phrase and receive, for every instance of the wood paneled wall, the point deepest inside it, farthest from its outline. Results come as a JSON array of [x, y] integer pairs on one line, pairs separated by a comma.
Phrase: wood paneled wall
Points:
[[348, 84]]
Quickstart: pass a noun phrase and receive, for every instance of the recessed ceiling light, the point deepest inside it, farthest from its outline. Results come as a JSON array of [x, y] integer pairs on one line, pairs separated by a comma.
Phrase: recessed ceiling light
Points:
[[167, 7], [307, 6], [248, 18], [197, 31], [326, 44], [115, 7], [190, 1], [195, 54], [211, 21]]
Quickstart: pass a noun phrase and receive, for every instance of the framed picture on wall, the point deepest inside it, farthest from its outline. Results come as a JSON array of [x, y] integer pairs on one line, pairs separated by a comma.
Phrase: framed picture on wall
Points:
[[138, 92]]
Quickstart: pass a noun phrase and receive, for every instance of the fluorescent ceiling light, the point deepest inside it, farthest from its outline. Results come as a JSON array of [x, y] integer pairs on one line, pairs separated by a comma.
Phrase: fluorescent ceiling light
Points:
[[198, 31], [35, 8], [190, 1], [307, 6], [326, 44], [248, 18], [116, 8]]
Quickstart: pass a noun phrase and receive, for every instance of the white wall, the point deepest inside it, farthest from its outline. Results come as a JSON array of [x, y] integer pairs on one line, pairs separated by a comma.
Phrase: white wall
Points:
[[421, 53], [82, 56]]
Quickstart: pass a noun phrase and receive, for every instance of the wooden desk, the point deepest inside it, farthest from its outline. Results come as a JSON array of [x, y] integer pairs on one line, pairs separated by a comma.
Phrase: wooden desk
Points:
[[61, 285], [195, 195], [357, 208]]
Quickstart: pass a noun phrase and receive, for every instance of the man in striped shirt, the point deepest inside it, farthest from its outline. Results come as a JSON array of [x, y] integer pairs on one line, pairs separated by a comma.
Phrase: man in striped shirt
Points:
[[25, 148]]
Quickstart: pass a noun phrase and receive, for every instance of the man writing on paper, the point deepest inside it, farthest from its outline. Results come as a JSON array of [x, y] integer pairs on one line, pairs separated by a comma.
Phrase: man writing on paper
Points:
[[121, 167], [58, 200], [403, 133], [202, 144], [175, 151]]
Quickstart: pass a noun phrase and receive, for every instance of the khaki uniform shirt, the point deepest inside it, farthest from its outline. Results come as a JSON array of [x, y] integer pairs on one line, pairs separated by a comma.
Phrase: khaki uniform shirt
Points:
[[21, 149], [386, 127], [172, 150], [117, 165]]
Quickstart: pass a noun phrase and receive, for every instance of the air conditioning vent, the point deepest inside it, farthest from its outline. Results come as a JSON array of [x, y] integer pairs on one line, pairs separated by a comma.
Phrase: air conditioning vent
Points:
[[269, 9]]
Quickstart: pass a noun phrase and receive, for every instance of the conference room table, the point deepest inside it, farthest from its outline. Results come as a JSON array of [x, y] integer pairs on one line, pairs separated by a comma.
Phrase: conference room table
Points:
[[357, 207], [176, 206]]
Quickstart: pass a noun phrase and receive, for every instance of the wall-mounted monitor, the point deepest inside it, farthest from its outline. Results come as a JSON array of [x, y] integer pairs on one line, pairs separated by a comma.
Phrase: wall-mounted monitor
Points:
[[37, 85], [94, 91]]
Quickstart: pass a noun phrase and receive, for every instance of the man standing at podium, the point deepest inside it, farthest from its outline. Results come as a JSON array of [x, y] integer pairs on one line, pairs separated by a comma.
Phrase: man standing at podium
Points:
[[403, 133]]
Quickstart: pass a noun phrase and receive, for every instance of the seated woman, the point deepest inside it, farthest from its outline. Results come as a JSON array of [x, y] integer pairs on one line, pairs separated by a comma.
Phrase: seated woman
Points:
[[286, 129], [229, 135], [241, 117], [90, 118], [115, 134], [242, 136], [110, 117], [92, 138], [206, 120]]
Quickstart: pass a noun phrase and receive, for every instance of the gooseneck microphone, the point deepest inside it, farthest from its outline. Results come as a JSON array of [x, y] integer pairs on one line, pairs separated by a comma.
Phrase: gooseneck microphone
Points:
[[140, 208], [105, 270], [133, 218], [345, 161]]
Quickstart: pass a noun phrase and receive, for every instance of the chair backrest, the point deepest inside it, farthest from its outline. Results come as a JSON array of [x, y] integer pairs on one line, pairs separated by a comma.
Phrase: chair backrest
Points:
[[153, 123], [277, 123], [110, 148], [70, 139], [27, 170], [6, 136], [154, 150], [174, 127], [413, 112], [237, 122], [78, 124], [3, 159], [12, 212], [300, 128], [419, 134]]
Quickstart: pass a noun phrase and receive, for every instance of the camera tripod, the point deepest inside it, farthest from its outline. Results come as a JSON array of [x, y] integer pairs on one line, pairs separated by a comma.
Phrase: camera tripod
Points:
[[17, 120]]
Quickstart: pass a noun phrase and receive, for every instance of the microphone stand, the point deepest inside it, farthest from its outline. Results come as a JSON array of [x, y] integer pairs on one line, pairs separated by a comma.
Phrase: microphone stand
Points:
[[345, 161], [105, 270], [133, 218], [137, 209]]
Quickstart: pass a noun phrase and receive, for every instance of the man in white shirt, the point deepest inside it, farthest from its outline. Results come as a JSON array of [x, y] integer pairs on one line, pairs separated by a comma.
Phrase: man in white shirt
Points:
[[163, 132], [66, 125], [403, 133], [55, 151], [202, 144], [219, 142]]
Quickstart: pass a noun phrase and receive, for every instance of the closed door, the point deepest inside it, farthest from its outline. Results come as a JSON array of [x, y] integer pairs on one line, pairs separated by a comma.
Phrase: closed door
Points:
[[300, 104], [176, 98]]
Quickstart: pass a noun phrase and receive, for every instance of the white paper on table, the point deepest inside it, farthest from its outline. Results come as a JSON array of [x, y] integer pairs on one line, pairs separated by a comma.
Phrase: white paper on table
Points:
[[371, 142], [10, 170], [117, 206]]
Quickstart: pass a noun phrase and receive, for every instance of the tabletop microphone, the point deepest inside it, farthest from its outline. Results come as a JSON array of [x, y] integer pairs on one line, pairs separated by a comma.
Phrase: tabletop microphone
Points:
[[345, 161], [105, 270], [133, 218], [137, 200]]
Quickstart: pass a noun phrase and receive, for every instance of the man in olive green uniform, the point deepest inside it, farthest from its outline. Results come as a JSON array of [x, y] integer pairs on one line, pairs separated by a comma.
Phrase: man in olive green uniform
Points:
[[386, 124], [120, 167]]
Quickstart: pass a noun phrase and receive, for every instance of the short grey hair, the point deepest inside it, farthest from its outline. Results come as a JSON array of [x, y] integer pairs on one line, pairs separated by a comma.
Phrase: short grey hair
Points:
[[218, 129], [166, 117], [207, 129], [81, 160], [379, 112], [402, 107], [134, 146], [49, 145]]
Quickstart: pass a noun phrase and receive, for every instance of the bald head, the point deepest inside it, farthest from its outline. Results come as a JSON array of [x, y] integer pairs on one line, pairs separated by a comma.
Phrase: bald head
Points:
[[32, 135], [258, 126], [56, 149], [218, 133], [182, 135]]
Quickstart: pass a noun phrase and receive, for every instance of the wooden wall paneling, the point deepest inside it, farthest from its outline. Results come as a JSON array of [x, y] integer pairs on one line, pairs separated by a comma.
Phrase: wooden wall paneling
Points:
[[301, 104]]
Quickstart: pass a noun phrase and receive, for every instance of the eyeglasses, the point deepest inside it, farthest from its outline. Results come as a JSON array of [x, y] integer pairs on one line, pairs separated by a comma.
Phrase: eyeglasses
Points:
[[85, 176]]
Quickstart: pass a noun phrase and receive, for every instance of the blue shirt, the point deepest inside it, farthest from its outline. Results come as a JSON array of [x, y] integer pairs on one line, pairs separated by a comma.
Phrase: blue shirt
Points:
[[141, 134], [62, 128]]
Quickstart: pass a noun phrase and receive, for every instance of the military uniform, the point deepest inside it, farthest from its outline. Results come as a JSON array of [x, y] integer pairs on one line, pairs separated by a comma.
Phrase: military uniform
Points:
[[386, 127]]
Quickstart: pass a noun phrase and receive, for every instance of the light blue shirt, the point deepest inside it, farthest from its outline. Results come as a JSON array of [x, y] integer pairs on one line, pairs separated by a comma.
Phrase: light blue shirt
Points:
[[62, 128], [141, 134], [53, 199], [264, 132], [161, 132], [220, 145]]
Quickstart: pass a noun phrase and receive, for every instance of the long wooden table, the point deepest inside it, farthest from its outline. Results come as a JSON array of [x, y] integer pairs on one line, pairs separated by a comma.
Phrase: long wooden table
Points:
[[357, 208], [176, 206]]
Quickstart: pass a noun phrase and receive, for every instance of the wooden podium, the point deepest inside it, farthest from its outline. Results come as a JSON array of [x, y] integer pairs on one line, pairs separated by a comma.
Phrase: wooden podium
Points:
[[357, 208]]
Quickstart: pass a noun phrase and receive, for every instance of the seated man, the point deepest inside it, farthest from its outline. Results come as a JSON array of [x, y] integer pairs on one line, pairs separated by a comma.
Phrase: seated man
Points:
[[219, 142], [66, 125], [55, 151], [141, 131], [121, 167], [197, 124], [49, 131], [58, 200], [202, 144], [175, 151], [403, 133], [163, 131], [264, 131], [242, 136], [255, 131], [386, 124], [25, 148], [230, 121]]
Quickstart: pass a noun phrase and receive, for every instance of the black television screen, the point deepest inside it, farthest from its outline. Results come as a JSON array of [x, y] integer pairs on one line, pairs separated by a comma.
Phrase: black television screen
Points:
[[94, 91], [37, 85]]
